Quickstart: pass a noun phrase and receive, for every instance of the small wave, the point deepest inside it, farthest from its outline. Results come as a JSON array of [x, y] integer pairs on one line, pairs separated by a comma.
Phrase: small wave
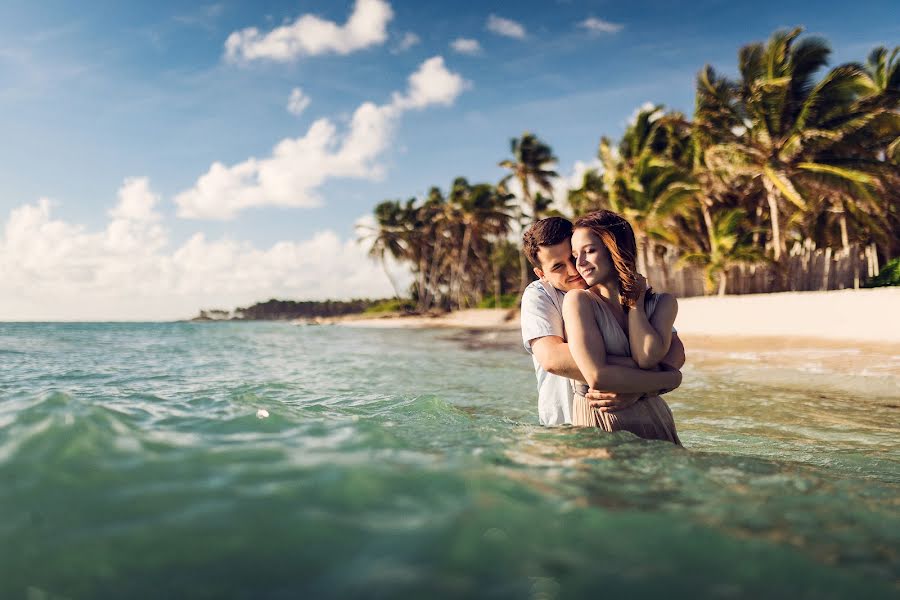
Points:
[[59, 428]]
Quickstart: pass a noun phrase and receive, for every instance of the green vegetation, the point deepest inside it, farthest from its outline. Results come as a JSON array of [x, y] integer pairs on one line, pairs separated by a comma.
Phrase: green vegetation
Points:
[[506, 301], [392, 305], [788, 151], [889, 275]]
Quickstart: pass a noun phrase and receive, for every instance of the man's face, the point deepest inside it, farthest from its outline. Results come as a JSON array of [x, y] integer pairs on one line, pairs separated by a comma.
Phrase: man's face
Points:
[[558, 267]]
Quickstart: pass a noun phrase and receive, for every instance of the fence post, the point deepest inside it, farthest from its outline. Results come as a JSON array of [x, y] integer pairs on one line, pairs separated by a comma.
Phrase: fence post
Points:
[[826, 268]]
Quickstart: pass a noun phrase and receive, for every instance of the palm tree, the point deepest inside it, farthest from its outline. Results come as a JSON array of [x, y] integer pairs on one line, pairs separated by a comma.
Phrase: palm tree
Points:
[[643, 180], [483, 213], [779, 126], [729, 246], [386, 236], [592, 195], [531, 163], [882, 75]]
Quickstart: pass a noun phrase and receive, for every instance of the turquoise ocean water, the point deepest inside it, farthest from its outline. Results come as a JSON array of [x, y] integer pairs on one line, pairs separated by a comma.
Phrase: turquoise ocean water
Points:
[[408, 464]]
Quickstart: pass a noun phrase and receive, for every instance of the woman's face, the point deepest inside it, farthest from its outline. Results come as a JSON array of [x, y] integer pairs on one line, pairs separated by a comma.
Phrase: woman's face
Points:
[[591, 257]]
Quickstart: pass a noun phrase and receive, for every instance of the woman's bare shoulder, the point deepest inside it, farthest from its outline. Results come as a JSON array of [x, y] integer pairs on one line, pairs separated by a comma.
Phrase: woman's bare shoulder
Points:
[[577, 296], [662, 304], [668, 300]]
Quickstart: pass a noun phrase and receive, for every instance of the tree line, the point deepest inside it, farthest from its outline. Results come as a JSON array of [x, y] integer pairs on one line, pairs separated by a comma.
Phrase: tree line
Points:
[[276, 310], [788, 151]]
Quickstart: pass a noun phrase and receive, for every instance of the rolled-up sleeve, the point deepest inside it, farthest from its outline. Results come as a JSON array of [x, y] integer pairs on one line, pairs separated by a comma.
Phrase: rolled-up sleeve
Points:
[[540, 317]]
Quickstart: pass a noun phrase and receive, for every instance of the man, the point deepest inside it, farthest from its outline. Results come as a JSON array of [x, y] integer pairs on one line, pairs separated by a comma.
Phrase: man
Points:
[[547, 244]]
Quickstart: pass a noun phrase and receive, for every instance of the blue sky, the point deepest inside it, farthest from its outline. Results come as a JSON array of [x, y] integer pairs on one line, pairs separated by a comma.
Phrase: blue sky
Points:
[[95, 94]]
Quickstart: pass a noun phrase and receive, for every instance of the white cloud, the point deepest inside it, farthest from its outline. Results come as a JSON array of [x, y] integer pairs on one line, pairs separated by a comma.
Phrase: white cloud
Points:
[[595, 25], [431, 84], [310, 35], [406, 42], [506, 27], [297, 102], [466, 46], [297, 167], [129, 270], [136, 201]]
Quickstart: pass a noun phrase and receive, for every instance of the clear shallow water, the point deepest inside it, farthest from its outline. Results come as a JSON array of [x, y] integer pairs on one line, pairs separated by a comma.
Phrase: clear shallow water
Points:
[[408, 463]]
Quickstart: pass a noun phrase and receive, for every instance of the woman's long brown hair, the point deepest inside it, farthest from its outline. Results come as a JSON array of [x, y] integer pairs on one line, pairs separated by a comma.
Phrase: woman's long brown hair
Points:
[[618, 237]]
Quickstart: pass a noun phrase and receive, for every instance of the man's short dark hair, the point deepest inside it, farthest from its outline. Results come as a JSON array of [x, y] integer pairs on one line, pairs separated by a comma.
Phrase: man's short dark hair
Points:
[[546, 232]]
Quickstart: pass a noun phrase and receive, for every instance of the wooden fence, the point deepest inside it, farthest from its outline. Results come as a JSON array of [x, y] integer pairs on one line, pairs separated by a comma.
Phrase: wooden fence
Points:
[[805, 268]]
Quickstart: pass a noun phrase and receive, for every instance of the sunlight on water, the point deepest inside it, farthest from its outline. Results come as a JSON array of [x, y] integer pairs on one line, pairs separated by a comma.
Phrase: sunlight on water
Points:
[[267, 460]]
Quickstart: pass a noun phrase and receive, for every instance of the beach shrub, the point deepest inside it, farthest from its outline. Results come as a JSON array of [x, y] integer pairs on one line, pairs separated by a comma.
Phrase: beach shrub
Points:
[[889, 275], [506, 301], [392, 305]]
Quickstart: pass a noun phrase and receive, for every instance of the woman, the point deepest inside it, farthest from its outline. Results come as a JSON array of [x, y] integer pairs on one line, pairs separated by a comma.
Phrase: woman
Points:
[[618, 315]]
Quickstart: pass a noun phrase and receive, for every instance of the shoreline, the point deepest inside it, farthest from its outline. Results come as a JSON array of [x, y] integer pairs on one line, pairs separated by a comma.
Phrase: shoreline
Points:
[[833, 319], [486, 319]]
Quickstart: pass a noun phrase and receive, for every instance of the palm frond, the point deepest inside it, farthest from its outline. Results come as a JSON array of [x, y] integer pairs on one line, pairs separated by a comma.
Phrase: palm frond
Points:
[[785, 186]]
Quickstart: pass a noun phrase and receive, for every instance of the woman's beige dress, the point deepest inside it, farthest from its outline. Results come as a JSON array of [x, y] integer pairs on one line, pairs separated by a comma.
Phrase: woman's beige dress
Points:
[[650, 417]]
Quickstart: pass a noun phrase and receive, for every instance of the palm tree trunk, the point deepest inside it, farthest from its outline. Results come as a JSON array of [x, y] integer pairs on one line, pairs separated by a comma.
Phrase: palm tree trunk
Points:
[[772, 199], [707, 220], [723, 280], [523, 261], [431, 282], [390, 278], [461, 264], [496, 267], [424, 300]]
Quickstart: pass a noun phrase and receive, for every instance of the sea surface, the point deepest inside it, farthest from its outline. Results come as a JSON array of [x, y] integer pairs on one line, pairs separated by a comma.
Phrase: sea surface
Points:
[[135, 462]]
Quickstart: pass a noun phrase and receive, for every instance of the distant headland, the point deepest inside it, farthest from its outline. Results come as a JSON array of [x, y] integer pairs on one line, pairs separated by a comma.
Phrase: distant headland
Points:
[[290, 310]]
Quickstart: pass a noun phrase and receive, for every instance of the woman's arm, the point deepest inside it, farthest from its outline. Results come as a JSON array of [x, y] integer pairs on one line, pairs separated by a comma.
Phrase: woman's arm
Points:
[[589, 351], [650, 337]]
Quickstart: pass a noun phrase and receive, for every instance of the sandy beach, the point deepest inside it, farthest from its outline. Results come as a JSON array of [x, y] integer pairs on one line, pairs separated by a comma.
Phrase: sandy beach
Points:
[[857, 315]]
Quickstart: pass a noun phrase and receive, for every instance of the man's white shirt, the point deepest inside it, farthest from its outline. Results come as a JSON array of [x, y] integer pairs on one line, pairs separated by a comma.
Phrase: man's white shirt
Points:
[[542, 316]]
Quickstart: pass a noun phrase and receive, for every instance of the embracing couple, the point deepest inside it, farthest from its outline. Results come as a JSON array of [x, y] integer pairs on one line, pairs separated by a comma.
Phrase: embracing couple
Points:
[[603, 343]]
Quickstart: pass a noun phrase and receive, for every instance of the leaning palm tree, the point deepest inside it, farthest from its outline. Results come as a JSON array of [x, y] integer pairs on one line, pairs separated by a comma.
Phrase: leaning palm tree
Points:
[[531, 165], [779, 126], [386, 237], [730, 245]]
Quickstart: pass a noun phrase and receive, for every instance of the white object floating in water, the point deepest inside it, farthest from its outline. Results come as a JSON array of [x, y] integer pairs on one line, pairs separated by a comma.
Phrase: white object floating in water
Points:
[[262, 413]]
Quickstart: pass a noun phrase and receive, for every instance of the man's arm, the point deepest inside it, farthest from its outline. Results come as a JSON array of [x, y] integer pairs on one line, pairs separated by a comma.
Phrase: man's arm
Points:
[[552, 352]]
